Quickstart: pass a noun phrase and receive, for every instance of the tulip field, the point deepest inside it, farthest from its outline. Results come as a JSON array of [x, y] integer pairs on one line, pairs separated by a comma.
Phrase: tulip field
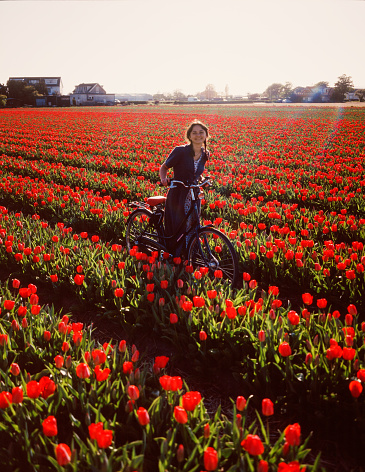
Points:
[[288, 190]]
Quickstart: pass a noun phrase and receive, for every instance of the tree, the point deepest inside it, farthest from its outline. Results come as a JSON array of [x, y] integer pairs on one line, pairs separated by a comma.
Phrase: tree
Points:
[[286, 90], [343, 85], [21, 91], [273, 91], [178, 95], [4, 90], [41, 88], [321, 84]]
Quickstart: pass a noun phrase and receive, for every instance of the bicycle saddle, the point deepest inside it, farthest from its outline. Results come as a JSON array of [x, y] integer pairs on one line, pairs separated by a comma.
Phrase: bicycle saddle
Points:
[[153, 201]]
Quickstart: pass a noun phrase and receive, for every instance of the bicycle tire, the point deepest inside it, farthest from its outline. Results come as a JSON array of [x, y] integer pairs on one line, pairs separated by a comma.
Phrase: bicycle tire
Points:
[[140, 232], [220, 256]]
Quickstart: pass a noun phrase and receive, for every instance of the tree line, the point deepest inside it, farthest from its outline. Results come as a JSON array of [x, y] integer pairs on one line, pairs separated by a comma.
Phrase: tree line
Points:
[[278, 91], [337, 93]]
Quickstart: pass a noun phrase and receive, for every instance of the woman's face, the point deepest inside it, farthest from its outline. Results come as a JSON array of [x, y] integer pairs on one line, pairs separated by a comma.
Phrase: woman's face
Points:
[[198, 135]]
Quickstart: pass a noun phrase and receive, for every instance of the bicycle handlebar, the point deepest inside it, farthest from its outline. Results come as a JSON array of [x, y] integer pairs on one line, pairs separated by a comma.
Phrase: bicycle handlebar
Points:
[[206, 181]]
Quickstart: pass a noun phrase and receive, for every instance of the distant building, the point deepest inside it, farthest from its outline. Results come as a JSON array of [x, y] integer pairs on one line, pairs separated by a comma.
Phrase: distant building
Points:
[[351, 97], [90, 95], [133, 97], [53, 85]]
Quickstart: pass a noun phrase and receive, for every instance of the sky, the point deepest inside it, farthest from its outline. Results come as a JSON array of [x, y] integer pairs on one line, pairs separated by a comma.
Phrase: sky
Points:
[[160, 46]]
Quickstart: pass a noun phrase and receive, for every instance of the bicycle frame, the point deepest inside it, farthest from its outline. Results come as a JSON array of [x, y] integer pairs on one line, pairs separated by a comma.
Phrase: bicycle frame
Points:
[[197, 226]]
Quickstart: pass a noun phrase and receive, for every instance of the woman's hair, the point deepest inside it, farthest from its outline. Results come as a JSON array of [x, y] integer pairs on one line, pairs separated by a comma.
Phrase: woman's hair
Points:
[[190, 129]]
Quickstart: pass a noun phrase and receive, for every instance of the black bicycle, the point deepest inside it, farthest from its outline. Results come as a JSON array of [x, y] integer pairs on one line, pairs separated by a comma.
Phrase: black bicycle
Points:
[[207, 246]]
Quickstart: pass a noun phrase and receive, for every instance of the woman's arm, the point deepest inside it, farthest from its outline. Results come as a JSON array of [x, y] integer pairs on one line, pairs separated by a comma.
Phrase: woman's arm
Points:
[[163, 174]]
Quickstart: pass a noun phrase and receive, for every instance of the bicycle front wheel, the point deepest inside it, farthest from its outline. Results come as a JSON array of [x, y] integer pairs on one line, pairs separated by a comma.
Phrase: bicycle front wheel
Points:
[[140, 231], [212, 249]]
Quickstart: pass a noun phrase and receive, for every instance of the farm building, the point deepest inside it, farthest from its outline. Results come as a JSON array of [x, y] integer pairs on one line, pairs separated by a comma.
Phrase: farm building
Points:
[[90, 95]]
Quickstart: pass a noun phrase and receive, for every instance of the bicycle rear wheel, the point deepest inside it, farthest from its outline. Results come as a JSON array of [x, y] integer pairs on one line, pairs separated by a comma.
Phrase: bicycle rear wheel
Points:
[[215, 251], [141, 232]]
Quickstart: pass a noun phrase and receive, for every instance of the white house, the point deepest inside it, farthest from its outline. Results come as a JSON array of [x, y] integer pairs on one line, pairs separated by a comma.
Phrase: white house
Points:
[[91, 94], [351, 97]]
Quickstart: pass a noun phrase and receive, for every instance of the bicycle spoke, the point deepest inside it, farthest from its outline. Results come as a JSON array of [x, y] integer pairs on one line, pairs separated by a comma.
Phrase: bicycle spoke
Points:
[[203, 253]]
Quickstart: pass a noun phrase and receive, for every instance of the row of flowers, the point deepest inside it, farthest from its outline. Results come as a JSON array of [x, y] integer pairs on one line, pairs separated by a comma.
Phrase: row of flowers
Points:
[[65, 400], [217, 325]]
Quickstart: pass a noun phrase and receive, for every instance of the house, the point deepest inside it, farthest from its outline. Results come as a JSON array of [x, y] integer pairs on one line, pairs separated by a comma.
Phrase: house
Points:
[[53, 85], [351, 97], [90, 95]]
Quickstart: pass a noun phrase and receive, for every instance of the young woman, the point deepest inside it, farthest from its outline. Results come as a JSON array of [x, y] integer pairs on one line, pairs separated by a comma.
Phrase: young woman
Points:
[[188, 163]]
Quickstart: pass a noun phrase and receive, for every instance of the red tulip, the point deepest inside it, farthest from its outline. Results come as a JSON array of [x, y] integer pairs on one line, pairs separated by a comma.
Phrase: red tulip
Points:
[[47, 387], [210, 459], [104, 438], [83, 371], [267, 407], [180, 415], [322, 303], [253, 445], [240, 403], [133, 392], [63, 454], [203, 336], [95, 429], [173, 318], [355, 388], [292, 434], [50, 426], [285, 349], [33, 389], [119, 292], [9, 304], [17, 393], [101, 374], [47, 335], [161, 361], [143, 416], [79, 279], [15, 369], [262, 466], [6, 399], [191, 400]]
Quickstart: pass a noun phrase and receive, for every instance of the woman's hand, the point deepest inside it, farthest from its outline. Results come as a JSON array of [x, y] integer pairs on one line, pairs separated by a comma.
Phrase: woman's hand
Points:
[[163, 175]]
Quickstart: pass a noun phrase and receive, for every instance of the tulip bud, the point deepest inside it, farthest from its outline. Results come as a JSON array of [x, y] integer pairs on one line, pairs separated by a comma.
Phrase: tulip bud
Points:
[[267, 407], [68, 362], [180, 453], [240, 403]]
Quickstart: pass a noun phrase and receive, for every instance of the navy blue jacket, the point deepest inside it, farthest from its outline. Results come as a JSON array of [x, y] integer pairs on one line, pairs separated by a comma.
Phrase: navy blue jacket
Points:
[[181, 160]]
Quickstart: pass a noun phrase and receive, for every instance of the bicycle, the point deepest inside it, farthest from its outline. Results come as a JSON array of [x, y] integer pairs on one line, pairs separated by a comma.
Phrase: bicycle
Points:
[[207, 246]]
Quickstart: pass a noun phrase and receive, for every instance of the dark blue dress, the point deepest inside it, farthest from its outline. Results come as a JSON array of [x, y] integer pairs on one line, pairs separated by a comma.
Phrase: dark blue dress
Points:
[[181, 160]]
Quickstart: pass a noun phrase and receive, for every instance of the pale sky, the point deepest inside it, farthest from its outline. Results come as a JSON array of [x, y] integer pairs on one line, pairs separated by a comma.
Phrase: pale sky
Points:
[[136, 46]]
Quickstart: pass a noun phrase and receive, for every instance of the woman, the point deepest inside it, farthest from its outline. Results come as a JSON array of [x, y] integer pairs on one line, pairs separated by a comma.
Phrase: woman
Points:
[[188, 163]]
